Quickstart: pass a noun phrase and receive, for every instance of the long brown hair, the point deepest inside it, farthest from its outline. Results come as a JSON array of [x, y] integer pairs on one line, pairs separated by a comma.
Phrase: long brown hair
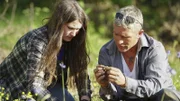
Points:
[[67, 11]]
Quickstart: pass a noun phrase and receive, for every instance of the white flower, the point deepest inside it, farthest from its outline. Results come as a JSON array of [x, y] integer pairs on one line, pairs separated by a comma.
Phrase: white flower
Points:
[[62, 65]]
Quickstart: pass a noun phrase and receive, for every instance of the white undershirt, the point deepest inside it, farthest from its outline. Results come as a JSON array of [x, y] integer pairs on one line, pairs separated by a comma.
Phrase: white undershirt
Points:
[[127, 71]]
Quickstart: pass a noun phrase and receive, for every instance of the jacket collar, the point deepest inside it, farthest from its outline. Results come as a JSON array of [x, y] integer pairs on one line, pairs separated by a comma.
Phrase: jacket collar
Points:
[[111, 47]]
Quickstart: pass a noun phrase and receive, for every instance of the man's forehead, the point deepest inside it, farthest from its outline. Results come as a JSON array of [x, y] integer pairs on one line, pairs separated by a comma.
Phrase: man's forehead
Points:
[[121, 31], [119, 28]]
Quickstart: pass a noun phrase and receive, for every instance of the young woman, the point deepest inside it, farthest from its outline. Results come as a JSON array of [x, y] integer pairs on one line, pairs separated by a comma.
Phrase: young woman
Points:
[[41, 59]]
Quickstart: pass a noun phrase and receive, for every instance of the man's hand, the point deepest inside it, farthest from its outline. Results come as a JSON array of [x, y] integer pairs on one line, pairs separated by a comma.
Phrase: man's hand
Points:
[[115, 76], [105, 74], [101, 76]]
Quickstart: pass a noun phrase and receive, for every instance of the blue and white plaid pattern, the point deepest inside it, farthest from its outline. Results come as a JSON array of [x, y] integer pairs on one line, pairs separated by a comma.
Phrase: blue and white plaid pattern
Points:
[[21, 65]]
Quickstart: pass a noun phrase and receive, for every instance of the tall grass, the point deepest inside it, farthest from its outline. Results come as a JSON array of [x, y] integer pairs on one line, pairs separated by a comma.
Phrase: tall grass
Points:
[[174, 60]]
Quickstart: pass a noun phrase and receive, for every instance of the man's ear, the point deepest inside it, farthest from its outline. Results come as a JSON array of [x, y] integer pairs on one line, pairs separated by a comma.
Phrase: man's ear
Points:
[[141, 32]]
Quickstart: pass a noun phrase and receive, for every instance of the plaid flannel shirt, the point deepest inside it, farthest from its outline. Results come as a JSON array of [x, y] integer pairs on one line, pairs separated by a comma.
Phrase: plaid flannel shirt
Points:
[[21, 65]]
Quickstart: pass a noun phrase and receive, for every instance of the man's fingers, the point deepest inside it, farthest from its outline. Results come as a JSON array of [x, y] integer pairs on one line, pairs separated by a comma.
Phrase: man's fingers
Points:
[[107, 68], [101, 78], [95, 70]]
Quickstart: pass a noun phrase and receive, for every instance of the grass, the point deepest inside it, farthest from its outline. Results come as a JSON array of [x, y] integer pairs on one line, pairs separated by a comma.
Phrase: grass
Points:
[[21, 25]]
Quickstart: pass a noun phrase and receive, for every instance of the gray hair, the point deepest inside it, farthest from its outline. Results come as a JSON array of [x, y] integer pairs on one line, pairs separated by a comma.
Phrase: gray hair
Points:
[[132, 12]]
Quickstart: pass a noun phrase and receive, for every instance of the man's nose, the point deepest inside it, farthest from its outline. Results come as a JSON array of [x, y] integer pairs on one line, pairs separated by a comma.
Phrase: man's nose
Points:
[[121, 42]]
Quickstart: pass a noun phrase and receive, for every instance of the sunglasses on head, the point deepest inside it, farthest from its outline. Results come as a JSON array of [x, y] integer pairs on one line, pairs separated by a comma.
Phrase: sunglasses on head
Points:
[[127, 19]]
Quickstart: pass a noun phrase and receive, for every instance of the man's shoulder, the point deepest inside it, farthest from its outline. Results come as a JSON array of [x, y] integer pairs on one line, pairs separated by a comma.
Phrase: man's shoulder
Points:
[[152, 41], [109, 46]]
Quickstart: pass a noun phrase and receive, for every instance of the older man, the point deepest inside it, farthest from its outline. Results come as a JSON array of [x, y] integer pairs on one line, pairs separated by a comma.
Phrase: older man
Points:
[[133, 66]]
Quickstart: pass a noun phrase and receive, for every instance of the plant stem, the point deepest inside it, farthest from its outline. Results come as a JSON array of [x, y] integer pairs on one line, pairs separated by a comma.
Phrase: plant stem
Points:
[[63, 85]]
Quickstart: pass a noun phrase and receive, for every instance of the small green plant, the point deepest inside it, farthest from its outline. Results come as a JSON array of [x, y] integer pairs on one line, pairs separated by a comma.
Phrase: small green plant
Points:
[[4, 96]]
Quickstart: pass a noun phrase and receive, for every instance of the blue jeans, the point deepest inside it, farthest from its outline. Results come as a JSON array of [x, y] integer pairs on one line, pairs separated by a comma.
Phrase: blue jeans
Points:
[[57, 93]]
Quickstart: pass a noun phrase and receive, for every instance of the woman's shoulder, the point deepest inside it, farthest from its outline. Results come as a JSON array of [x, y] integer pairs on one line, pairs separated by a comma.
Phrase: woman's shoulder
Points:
[[36, 34]]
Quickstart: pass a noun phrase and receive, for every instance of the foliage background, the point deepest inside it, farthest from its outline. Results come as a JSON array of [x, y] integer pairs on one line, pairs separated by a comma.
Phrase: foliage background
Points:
[[161, 21]]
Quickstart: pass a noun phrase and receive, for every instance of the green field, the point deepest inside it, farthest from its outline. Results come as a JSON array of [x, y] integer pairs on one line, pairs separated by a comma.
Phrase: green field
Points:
[[11, 32]]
